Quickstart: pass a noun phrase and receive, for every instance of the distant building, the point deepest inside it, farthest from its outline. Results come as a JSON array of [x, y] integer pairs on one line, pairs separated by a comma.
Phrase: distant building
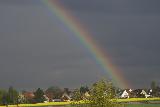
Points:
[[46, 99], [57, 100], [21, 98], [49, 95], [28, 95], [66, 97], [125, 94], [145, 94], [85, 96]]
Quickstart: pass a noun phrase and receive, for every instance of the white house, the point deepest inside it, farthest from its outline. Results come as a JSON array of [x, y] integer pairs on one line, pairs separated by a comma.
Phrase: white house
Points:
[[46, 99], [125, 94], [144, 93], [66, 97]]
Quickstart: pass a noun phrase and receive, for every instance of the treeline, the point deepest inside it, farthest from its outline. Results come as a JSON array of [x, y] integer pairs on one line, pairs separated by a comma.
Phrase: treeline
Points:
[[100, 94], [12, 96], [94, 92], [8, 97], [155, 89]]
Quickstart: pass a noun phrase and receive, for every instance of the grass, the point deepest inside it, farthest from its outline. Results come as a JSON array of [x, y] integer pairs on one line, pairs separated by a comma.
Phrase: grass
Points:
[[118, 100], [138, 99], [40, 104], [142, 105]]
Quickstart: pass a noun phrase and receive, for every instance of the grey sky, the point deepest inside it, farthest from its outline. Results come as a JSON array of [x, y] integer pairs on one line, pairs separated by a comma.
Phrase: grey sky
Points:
[[37, 52]]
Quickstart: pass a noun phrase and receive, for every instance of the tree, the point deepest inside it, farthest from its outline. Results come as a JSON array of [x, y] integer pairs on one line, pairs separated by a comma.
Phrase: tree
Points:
[[39, 96], [5, 99], [76, 95], [66, 90], [84, 89], [12, 96], [101, 94], [154, 88], [55, 92], [153, 85], [22, 99], [2, 97]]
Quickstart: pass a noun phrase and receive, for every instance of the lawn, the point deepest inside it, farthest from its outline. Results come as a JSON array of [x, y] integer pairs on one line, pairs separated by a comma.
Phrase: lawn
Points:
[[138, 99], [142, 105], [118, 100], [61, 105]]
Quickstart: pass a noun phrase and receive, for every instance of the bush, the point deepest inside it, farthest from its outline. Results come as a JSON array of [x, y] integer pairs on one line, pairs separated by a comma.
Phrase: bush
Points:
[[101, 94]]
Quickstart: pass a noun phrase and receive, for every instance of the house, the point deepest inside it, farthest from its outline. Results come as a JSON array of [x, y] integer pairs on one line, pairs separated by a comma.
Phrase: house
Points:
[[155, 92], [125, 94], [46, 99], [139, 93], [85, 96], [150, 92], [57, 100], [49, 95], [21, 98], [66, 97], [145, 94], [28, 95]]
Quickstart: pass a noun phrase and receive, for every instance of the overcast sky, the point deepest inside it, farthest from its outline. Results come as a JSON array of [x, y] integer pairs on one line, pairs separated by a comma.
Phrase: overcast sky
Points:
[[35, 51]]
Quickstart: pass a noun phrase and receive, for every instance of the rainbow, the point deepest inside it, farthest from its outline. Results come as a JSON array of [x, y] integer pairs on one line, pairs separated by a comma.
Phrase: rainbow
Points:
[[86, 39]]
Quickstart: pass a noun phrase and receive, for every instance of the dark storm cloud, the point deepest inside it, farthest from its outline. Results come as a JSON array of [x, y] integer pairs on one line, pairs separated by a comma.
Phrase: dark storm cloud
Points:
[[20, 2], [128, 31], [114, 6], [36, 50]]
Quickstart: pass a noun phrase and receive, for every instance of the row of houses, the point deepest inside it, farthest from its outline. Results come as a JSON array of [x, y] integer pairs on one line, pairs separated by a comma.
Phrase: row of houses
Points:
[[30, 96], [137, 93], [127, 93]]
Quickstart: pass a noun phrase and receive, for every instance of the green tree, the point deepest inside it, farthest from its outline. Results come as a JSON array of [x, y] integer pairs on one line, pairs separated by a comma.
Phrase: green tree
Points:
[[2, 94], [101, 94], [5, 99], [154, 88], [39, 96], [153, 85], [21, 99], [76, 95], [84, 89], [55, 91], [12, 95], [66, 90]]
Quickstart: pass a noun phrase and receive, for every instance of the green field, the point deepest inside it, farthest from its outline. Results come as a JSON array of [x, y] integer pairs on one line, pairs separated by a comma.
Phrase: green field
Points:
[[126, 105], [142, 105], [132, 102], [136, 105], [138, 99]]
